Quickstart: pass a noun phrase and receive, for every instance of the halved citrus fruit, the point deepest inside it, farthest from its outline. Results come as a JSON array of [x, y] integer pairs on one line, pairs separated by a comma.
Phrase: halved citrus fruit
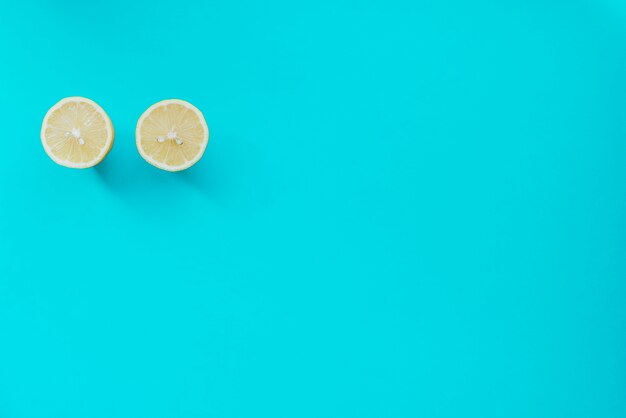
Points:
[[77, 133], [172, 135]]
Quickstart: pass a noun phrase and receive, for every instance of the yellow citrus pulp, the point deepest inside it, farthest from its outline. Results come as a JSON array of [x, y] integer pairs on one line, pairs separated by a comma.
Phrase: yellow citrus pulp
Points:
[[77, 133], [172, 135]]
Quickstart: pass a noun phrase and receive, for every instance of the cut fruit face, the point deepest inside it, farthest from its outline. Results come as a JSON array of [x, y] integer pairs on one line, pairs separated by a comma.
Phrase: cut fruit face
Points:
[[77, 133], [172, 135]]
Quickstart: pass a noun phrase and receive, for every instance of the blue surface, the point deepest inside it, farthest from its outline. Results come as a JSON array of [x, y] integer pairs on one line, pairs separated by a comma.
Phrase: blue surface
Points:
[[406, 209]]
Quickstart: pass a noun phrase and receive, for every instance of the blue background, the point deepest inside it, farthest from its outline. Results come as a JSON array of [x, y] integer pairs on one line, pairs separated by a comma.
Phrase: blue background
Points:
[[406, 209]]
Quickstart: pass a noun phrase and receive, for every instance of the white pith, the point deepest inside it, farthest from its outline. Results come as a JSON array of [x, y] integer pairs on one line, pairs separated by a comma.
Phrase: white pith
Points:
[[171, 136], [76, 134]]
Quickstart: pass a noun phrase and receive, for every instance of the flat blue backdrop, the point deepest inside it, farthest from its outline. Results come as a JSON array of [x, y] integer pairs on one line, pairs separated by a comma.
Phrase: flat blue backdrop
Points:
[[406, 209]]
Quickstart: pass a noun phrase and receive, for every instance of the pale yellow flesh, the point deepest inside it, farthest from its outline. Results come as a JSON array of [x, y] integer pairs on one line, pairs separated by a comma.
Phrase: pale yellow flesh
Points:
[[76, 134], [172, 135]]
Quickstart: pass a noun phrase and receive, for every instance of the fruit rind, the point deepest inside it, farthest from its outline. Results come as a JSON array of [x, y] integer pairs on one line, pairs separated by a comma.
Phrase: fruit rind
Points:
[[161, 165], [103, 152]]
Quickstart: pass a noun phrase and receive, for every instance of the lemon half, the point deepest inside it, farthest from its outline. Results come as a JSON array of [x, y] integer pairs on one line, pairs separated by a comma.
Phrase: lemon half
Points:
[[77, 133], [172, 135]]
